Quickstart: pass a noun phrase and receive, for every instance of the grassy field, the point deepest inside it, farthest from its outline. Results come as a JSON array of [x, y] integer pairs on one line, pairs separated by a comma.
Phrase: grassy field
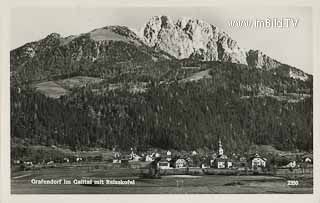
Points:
[[58, 88], [176, 184]]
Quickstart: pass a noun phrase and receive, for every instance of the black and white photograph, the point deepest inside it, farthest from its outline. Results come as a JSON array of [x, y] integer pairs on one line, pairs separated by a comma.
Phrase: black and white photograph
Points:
[[161, 100]]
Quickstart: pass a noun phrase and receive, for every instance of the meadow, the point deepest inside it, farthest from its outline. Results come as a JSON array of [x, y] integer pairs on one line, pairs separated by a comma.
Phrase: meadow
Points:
[[171, 184]]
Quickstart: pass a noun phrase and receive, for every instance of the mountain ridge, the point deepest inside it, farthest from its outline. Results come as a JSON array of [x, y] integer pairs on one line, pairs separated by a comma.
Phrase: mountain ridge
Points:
[[160, 38]]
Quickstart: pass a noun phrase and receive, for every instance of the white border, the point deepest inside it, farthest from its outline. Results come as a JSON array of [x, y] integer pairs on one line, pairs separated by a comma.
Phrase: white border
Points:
[[5, 195]]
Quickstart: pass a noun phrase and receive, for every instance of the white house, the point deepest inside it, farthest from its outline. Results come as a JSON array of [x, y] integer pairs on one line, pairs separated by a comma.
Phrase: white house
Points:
[[219, 163], [28, 163], [50, 162], [308, 159], [292, 164], [204, 165], [181, 163], [78, 159], [258, 161], [149, 158], [16, 161], [229, 164], [135, 157], [116, 161]]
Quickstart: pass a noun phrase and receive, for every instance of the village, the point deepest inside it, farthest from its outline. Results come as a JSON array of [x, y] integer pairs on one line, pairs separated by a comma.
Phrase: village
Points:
[[167, 163], [155, 164]]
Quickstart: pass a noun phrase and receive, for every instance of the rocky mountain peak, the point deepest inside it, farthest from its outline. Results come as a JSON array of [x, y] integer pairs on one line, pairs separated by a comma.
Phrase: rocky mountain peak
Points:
[[191, 37]]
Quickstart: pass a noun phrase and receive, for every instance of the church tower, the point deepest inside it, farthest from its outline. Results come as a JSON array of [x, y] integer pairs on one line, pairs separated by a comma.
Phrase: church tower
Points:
[[220, 150]]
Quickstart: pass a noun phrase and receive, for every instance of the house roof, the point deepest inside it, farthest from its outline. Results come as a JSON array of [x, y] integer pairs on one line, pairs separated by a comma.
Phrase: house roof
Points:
[[222, 159], [264, 159], [179, 160]]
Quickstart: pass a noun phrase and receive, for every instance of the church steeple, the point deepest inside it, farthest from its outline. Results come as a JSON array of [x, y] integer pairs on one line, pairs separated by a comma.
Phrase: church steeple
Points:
[[220, 150]]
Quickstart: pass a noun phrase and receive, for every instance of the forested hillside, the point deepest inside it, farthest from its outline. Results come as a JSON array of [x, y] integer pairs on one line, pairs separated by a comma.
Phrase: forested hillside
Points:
[[232, 105]]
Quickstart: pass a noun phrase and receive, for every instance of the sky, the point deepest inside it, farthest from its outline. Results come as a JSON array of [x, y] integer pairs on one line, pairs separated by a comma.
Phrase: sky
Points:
[[292, 45]]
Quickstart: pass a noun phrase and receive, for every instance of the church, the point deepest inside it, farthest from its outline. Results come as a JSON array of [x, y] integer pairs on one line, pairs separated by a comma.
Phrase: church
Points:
[[221, 161]]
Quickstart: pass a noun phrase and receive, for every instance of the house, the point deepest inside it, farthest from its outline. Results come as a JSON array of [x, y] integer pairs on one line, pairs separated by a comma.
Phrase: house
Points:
[[50, 162], [220, 163], [163, 164], [205, 165], [181, 163], [78, 159], [137, 158], [212, 162], [257, 162], [307, 159], [157, 155], [116, 158], [149, 158], [28, 163], [116, 161], [229, 164], [16, 161], [292, 164]]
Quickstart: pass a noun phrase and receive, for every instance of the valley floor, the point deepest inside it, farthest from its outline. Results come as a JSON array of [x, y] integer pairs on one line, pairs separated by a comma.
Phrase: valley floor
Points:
[[176, 184]]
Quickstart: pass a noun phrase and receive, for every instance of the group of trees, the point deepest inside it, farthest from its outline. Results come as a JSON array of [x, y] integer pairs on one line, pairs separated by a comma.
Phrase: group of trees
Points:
[[180, 116]]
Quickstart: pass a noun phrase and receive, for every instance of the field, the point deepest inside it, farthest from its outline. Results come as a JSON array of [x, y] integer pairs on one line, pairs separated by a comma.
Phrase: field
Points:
[[174, 184], [58, 88]]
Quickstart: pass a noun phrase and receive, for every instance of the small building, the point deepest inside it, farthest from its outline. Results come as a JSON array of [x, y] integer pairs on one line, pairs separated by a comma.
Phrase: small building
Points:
[[181, 163], [229, 164], [16, 161], [163, 164], [28, 163], [307, 159], [205, 165], [78, 159], [135, 157], [292, 164], [257, 162], [220, 163], [50, 162], [116, 161], [149, 158]]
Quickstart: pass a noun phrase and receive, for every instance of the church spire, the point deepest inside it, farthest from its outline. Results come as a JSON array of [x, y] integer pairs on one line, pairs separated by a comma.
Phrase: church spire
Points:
[[220, 150]]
